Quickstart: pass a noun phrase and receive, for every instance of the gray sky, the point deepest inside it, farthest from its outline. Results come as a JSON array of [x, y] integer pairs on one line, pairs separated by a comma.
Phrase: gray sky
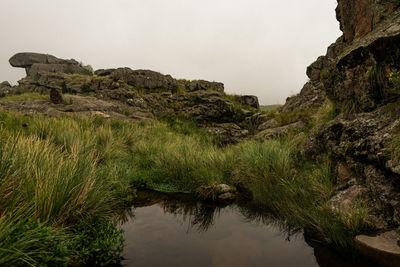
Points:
[[259, 47]]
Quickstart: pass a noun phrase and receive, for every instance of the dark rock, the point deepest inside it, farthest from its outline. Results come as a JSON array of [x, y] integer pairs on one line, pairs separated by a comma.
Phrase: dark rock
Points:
[[104, 72], [5, 84], [221, 192], [383, 248], [229, 133], [35, 62], [345, 200], [144, 79], [227, 197], [5, 89], [23, 60], [55, 96], [359, 17], [312, 96], [250, 100], [205, 85], [61, 68]]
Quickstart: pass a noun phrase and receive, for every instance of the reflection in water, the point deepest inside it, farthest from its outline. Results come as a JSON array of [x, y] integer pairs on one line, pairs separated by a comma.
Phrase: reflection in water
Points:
[[172, 230]]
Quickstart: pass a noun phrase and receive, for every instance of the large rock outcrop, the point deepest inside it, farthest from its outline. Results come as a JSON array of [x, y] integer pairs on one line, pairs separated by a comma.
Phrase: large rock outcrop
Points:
[[360, 76], [131, 94], [35, 62]]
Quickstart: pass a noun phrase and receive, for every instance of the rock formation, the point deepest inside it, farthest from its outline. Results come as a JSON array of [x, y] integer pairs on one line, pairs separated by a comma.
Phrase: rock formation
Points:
[[35, 62], [131, 94], [359, 78]]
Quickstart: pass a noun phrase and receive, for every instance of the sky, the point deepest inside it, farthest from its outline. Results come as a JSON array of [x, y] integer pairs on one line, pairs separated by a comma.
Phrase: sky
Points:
[[255, 47]]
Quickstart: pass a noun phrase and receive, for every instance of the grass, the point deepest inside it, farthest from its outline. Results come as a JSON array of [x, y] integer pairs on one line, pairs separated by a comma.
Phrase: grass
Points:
[[25, 96], [62, 174], [268, 108]]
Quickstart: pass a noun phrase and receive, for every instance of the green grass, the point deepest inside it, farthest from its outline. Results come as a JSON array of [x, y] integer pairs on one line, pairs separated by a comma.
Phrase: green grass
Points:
[[25, 96], [268, 108], [60, 173]]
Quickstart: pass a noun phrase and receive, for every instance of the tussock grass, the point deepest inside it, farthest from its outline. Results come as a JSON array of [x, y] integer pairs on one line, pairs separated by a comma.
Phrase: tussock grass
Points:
[[60, 172]]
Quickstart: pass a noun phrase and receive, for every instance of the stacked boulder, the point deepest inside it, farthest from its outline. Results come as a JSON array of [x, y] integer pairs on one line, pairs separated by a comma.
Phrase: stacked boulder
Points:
[[35, 62]]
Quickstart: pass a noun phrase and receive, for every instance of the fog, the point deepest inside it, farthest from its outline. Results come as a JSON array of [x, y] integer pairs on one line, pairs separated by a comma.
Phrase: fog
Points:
[[258, 47]]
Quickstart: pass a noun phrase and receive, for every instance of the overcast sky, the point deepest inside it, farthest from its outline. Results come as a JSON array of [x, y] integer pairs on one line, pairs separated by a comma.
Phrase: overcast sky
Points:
[[259, 47]]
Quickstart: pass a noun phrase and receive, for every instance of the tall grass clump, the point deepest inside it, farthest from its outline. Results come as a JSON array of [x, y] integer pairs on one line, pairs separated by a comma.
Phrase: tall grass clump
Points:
[[294, 190]]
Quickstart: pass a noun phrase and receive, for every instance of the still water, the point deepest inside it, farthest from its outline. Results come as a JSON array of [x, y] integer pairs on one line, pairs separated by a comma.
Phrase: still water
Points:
[[165, 230]]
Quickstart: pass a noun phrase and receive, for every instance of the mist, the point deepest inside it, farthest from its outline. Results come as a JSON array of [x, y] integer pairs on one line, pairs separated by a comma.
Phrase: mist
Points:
[[257, 47]]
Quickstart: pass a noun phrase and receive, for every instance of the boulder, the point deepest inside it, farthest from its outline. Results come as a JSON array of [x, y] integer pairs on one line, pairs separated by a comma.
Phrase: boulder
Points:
[[249, 100], [383, 248], [5, 84], [311, 96], [223, 188], [220, 192], [35, 62], [23, 60], [345, 199], [144, 79], [6, 89], [229, 133], [204, 85], [104, 72], [226, 197]]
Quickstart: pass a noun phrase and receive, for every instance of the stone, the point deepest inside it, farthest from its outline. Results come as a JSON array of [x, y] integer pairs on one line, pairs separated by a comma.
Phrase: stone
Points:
[[60, 68], [6, 89], [383, 248], [56, 96], [311, 96], [345, 199], [220, 192], [249, 100], [23, 60], [227, 197], [229, 133], [104, 72], [5, 84], [223, 188], [144, 79], [35, 62], [199, 85]]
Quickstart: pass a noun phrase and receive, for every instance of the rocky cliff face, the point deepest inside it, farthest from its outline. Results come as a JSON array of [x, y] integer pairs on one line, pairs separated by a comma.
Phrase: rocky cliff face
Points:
[[359, 17], [359, 76]]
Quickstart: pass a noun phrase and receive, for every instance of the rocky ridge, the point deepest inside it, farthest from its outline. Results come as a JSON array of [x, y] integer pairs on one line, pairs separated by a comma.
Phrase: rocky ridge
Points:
[[128, 94]]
